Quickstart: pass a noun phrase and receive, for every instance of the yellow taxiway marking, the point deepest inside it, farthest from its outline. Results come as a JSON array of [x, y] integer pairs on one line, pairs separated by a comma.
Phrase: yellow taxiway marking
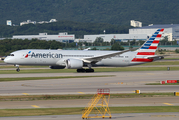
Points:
[[35, 106], [25, 93], [81, 92], [167, 104]]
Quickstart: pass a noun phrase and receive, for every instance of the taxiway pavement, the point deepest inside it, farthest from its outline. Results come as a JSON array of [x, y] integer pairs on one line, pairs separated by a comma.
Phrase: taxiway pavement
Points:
[[121, 82], [125, 116], [114, 102]]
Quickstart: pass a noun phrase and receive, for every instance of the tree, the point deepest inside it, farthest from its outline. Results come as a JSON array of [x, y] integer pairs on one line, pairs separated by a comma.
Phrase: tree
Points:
[[112, 41], [98, 41], [116, 46]]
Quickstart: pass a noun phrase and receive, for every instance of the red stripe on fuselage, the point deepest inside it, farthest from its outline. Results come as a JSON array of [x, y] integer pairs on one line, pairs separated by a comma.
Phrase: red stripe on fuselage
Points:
[[142, 60], [146, 53]]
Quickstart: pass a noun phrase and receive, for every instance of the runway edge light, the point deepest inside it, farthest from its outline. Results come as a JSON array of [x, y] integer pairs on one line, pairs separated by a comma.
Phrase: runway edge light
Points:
[[137, 91]]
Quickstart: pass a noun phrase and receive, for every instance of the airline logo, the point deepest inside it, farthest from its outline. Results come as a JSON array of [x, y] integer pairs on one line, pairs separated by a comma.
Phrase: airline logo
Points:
[[27, 54], [43, 55]]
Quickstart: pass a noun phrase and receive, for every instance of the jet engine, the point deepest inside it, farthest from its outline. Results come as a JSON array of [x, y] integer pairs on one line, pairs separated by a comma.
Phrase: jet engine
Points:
[[74, 64], [57, 67]]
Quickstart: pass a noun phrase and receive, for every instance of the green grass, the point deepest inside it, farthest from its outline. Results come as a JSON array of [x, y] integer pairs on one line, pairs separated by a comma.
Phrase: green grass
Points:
[[72, 111], [80, 96], [151, 63], [1, 61], [12, 66], [44, 78], [162, 84], [163, 63], [107, 69]]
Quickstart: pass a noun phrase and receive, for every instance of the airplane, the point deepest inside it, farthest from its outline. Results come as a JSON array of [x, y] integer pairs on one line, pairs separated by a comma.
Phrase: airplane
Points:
[[77, 59]]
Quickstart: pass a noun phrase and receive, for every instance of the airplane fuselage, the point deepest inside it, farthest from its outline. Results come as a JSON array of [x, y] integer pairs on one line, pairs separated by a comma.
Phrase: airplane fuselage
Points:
[[58, 57]]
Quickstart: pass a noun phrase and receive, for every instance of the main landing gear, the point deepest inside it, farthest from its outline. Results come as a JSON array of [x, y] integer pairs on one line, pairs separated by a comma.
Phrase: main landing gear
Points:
[[17, 68], [85, 70]]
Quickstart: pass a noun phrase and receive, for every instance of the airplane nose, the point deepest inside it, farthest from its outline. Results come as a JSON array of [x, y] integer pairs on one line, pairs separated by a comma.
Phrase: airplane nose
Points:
[[7, 60]]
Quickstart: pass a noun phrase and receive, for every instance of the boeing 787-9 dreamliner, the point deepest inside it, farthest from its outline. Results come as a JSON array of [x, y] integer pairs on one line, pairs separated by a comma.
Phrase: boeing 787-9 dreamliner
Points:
[[77, 59]]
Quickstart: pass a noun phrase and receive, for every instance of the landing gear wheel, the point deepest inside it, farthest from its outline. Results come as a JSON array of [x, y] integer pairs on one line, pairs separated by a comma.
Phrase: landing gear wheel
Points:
[[85, 70], [17, 69], [89, 70], [81, 70]]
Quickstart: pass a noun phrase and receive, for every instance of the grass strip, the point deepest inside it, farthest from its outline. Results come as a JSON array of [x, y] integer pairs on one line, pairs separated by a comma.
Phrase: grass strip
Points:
[[72, 111], [12, 66], [80, 96], [162, 84], [162, 63], [45, 78], [150, 63], [109, 69]]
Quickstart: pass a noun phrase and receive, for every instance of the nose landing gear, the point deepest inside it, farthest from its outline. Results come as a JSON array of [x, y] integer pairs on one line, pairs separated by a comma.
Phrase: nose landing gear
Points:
[[17, 68]]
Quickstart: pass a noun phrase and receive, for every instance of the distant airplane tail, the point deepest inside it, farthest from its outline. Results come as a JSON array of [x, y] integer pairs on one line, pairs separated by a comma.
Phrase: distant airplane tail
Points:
[[146, 52]]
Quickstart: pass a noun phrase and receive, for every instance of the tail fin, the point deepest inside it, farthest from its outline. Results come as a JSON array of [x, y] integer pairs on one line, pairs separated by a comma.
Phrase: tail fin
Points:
[[150, 46]]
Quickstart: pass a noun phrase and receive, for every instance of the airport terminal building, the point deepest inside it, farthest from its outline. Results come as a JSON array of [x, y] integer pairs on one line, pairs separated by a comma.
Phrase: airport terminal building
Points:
[[171, 30], [116, 37], [140, 33], [61, 37]]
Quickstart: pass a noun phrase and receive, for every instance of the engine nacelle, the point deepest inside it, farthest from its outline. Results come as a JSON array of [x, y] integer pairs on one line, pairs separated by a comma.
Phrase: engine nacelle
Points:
[[74, 64], [57, 67]]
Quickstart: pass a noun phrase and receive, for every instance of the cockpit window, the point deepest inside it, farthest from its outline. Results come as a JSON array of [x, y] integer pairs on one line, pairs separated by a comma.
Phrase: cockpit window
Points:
[[11, 55]]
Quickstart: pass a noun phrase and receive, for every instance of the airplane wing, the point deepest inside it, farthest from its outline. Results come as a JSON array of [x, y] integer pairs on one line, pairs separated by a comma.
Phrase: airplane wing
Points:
[[100, 57]]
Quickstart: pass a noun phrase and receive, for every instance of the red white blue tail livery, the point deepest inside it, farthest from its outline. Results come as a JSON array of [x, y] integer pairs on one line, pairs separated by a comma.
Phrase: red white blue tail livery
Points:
[[148, 49]]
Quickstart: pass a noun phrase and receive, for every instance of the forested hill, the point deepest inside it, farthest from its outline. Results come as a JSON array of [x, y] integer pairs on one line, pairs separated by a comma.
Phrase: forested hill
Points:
[[78, 28], [98, 11]]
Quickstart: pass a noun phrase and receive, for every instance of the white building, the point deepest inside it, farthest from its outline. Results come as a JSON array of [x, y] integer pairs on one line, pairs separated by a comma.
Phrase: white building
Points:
[[61, 37], [171, 31], [53, 20], [9, 22], [117, 37], [136, 23], [42, 22], [27, 22]]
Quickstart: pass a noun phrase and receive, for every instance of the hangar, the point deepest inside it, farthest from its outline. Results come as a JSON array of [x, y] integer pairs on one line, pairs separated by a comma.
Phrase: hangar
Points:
[[171, 30]]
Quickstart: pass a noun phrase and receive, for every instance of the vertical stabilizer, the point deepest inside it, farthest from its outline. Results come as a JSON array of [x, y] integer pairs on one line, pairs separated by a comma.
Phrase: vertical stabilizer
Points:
[[150, 46], [147, 51]]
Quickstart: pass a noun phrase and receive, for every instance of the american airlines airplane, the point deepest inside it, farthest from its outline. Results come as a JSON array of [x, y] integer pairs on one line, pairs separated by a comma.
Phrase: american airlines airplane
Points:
[[77, 59]]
